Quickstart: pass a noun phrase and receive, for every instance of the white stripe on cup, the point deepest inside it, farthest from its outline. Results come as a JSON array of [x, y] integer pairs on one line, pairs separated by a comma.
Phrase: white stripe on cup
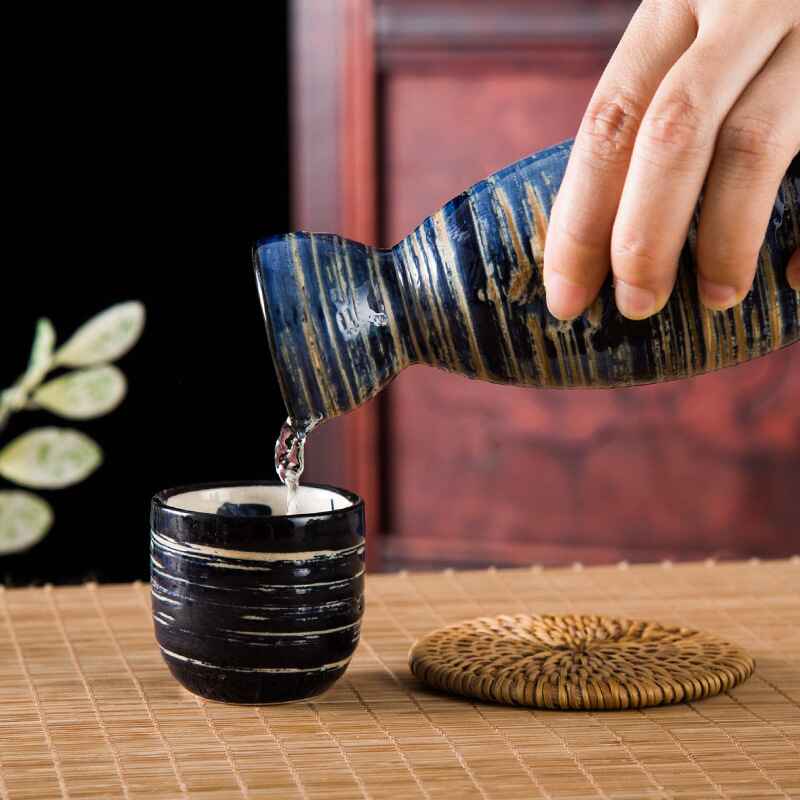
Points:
[[271, 670], [246, 555]]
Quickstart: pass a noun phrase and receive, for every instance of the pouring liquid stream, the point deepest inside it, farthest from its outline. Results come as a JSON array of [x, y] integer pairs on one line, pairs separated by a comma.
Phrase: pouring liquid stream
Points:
[[290, 457]]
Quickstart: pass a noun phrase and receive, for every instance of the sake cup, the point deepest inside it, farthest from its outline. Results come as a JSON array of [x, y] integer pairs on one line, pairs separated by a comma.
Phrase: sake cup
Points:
[[250, 604]]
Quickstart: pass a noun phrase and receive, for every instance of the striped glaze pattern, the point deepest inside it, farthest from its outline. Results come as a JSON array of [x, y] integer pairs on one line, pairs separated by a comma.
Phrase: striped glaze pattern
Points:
[[464, 292], [257, 610]]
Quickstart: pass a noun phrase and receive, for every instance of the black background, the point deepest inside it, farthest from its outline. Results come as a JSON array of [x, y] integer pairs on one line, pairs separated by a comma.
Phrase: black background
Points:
[[146, 157]]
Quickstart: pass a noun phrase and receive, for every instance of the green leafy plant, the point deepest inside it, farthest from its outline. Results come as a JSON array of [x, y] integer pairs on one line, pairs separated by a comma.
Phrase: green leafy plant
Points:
[[54, 457]]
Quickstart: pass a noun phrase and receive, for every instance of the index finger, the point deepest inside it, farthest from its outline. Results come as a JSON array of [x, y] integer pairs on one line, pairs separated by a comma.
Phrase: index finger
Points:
[[578, 245]]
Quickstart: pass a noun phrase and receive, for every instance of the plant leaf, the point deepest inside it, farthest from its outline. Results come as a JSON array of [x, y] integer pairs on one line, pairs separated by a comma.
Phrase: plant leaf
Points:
[[83, 394], [105, 337], [41, 353], [24, 520], [50, 458]]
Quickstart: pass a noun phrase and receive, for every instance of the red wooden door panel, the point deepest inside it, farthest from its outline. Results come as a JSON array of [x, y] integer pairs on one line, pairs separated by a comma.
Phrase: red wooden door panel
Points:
[[445, 132], [481, 473], [707, 467]]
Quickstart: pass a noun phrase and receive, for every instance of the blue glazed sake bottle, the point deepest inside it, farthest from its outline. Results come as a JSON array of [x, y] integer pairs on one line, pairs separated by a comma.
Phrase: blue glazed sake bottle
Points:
[[464, 292]]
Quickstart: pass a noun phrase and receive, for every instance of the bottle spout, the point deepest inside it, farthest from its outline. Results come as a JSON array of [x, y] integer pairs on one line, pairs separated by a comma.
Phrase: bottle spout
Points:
[[334, 320]]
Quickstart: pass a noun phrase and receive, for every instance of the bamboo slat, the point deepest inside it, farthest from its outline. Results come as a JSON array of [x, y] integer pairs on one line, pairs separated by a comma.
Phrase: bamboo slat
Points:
[[89, 710]]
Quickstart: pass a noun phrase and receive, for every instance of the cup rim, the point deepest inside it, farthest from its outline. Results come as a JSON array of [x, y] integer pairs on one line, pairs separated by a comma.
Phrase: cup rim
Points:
[[159, 499]]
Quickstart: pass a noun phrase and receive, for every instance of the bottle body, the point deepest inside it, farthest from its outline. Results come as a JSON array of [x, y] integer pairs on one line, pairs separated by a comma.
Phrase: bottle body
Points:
[[464, 292], [474, 271]]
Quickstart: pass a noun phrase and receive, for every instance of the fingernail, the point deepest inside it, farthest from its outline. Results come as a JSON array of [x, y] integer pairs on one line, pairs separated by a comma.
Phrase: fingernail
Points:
[[565, 299], [793, 274], [716, 296], [633, 301]]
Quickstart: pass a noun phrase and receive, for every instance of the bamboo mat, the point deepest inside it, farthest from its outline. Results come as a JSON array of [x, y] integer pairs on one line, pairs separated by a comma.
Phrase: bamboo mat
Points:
[[88, 709]]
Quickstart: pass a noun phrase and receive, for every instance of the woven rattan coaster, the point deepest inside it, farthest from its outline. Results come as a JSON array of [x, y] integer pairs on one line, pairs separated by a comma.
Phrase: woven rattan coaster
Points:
[[577, 662]]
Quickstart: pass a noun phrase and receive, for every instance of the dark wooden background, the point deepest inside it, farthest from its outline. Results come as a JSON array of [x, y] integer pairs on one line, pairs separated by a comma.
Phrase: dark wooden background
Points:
[[409, 102], [146, 152]]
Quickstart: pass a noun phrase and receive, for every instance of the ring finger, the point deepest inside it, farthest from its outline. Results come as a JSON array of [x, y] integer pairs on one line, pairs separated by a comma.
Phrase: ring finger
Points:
[[757, 142]]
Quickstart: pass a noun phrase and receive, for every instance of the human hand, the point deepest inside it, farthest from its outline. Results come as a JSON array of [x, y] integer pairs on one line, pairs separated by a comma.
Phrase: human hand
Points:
[[699, 95]]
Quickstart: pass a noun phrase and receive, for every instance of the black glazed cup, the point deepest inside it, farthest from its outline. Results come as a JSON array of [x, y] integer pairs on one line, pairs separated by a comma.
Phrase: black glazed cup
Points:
[[251, 608]]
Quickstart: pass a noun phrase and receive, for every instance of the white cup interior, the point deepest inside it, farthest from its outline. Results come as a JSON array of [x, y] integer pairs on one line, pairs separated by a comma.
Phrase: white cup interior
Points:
[[310, 500]]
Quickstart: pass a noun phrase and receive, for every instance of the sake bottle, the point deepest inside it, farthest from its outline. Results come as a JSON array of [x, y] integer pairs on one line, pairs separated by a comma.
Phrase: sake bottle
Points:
[[464, 292]]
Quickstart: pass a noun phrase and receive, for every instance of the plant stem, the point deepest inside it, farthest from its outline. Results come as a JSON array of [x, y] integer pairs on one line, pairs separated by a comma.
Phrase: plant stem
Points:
[[22, 398], [17, 397]]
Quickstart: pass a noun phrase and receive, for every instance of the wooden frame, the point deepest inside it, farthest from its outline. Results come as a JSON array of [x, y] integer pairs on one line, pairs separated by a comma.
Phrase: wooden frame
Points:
[[334, 187], [412, 31]]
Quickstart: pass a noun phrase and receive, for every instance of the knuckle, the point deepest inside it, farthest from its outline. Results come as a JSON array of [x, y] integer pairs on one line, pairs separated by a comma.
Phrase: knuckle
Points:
[[669, 12], [639, 261], [577, 233], [678, 124], [633, 258], [632, 248], [749, 143], [609, 127], [631, 245], [732, 265]]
